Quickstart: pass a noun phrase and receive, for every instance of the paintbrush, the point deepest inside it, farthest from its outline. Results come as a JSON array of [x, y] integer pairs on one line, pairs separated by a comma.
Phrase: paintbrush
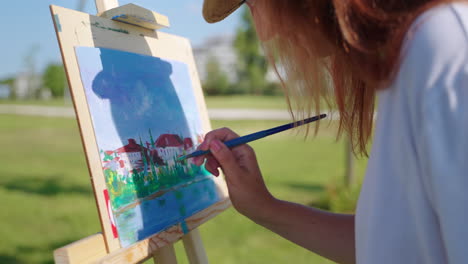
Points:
[[254, 136]]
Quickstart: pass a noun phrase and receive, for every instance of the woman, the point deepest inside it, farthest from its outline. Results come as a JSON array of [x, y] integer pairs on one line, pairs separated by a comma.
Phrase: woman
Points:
[[414, 54]]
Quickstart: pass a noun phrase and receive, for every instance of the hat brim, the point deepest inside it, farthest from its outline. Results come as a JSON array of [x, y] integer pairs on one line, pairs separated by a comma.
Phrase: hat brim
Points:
[[217, 10]]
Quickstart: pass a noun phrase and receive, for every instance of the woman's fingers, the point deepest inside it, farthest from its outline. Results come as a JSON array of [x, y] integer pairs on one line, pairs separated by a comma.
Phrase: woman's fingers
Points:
[[243, 177], [224, 156], [198, 160], [212, 166], [221, 134]]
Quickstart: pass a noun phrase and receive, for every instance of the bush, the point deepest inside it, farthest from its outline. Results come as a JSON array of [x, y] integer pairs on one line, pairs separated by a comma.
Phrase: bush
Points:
[[55, 80], [273, 89], [217, 82], [339, 198]]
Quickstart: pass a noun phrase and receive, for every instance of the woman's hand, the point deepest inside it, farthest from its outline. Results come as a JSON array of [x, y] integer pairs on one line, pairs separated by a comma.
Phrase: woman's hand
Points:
[[330, 235], [247, 189]]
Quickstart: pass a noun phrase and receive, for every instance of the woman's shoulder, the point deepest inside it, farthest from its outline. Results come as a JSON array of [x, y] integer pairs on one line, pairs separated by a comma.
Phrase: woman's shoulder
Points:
[[433, 74], [435, 52], [441, 30]]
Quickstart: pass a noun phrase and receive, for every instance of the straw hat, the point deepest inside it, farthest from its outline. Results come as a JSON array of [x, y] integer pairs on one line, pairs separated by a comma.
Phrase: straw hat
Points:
[[217, 10]]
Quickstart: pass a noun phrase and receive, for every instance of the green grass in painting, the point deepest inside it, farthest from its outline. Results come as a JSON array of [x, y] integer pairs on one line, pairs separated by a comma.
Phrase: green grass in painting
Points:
[[47, 198], [152, 179], [140, 185]]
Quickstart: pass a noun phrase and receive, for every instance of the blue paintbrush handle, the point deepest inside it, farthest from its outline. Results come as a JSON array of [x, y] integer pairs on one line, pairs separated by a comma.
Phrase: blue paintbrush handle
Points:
[[257, 135]]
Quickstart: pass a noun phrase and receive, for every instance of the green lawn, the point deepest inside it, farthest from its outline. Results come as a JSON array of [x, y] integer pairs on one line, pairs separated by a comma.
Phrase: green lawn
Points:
[[48, 202], [236, 101], [246, 101]]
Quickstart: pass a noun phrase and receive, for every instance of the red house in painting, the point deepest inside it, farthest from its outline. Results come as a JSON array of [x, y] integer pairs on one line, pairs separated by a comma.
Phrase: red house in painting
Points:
[[188, 143], [169, 140], [166, 149], [169, 146], [131, 156]]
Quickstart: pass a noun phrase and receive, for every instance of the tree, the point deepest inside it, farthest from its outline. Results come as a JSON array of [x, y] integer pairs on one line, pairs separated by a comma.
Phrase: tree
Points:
[[216, 82], [251, 65], [54, 79], [33, 82], [8, 81]]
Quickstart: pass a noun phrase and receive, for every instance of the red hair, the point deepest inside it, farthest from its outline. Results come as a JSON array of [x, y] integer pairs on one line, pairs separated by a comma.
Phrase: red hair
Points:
[[340, 50]]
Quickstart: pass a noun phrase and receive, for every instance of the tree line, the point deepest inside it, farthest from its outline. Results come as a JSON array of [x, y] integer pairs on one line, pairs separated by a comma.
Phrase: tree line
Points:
[[251, 66], [52, 80], [250, 71]]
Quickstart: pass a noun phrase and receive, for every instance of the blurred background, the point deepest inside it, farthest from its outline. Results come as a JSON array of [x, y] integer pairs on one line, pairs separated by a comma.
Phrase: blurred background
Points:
[[45, 191]]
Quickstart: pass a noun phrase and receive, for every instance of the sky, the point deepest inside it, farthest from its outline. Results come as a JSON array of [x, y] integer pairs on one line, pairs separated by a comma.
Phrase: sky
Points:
[[27, 28], [118, 96]]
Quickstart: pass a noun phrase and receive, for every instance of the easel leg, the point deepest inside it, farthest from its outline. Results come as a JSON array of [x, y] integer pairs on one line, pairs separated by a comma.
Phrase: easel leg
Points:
[[194, 248], [165, 255], [104, 5]]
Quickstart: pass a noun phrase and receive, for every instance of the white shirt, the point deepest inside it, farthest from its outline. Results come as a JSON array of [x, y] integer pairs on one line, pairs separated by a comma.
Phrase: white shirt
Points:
[[413, 206]]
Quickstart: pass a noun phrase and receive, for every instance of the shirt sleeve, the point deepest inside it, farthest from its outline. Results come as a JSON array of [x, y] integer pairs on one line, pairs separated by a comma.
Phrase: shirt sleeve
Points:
[[439, 59]]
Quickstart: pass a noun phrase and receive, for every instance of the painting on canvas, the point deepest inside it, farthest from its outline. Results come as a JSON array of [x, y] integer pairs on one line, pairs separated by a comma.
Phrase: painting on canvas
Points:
[[144, 116]]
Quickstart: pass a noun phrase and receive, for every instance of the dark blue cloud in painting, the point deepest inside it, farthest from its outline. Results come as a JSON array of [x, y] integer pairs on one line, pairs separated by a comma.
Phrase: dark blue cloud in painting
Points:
[[129, 93]]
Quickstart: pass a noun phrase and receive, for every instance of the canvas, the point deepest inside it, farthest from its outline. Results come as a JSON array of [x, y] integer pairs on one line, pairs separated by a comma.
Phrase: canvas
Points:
[[144, 116]]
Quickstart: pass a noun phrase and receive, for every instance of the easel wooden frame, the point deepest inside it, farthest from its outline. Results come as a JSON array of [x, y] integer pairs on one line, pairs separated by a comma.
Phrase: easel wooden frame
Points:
[[103, 247]]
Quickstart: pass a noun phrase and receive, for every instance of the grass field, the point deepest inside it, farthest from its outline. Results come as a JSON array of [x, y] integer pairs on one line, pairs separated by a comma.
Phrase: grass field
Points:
[[258, 102], [237, 101], [245, 101], [48, 202]]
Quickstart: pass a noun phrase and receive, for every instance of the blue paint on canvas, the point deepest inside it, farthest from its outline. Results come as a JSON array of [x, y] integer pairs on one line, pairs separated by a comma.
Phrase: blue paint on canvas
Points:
[[145, 115]]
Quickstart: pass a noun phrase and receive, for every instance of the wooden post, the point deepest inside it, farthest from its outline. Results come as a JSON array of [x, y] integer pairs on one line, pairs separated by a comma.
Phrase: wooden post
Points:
[[165, 255], [104, 5], [349, 156], [194, 248]]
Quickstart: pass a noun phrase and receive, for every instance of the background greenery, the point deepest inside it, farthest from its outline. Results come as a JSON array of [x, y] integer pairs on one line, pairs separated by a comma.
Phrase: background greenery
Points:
[[47, 198], [250, 71], [232, 101], [48, 202]]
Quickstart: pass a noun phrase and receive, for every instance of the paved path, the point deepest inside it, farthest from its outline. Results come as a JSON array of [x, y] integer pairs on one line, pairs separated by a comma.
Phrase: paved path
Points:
[[215, 113], [35, 110]]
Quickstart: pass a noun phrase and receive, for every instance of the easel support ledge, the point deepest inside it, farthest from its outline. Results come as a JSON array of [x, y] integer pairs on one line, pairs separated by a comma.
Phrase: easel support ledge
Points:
[[92, 249]]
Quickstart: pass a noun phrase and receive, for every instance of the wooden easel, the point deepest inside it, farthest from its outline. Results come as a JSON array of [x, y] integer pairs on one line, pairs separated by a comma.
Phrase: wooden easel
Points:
[[103, 247]]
